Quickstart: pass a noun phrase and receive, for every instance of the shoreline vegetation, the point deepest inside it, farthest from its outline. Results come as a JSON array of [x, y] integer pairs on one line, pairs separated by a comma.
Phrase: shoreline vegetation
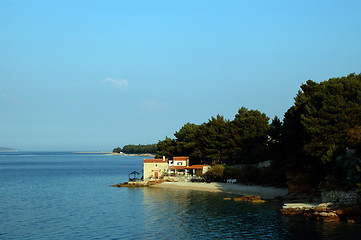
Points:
[[316, 147], [315, 151], [137, 149]]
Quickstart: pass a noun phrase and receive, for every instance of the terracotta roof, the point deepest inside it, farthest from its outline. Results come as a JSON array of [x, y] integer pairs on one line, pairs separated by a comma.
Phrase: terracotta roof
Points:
[[197, 166], [180, 158], [159, 160]]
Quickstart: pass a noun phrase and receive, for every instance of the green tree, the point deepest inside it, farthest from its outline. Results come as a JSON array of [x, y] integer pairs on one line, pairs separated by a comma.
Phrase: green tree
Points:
[[275, 142], [214, 140], [137, 149], [187, 143], [167, 148], [275, 130], [117, 150], [317, 126], [249, 131]]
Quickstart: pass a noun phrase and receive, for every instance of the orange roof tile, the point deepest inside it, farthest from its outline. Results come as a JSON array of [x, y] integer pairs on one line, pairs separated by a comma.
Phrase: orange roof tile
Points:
[[159, 160], [197, 166]]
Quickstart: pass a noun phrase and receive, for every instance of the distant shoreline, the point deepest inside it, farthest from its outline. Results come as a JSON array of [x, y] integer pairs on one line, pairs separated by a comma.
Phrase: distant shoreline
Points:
[[7, 149], [135, 154], [119, 154]]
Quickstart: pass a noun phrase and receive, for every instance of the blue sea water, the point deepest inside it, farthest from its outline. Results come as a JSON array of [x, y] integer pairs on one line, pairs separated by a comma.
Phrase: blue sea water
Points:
[[58, 195]]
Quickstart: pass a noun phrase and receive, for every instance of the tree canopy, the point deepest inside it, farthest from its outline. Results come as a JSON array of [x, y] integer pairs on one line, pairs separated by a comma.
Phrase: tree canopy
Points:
[[323, 118], [324, 121], [220, 140], [137, 149]]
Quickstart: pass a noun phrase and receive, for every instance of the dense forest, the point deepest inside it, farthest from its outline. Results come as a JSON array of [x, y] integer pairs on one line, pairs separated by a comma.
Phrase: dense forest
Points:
[[311, 145], [137, 149]]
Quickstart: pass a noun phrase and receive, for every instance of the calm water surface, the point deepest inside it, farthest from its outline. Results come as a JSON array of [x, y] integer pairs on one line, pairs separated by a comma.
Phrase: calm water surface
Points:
[[47, 195]]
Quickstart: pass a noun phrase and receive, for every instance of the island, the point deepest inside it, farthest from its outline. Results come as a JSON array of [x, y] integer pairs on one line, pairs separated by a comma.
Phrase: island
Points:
[[6, 149]]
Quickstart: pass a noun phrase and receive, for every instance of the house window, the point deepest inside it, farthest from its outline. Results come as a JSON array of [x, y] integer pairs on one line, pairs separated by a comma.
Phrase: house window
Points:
[[156, 165], [179, 164]]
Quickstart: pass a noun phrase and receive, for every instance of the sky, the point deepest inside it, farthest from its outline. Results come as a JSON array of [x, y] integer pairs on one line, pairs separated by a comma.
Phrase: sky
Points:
[[85, 75]]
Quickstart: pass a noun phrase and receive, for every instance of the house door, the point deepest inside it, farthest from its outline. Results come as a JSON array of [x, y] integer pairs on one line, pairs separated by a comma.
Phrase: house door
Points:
[[156, 175]]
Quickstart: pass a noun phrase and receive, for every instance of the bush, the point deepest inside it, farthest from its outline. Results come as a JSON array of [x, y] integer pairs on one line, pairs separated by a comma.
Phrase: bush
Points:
[[215, 173], [250, 174]]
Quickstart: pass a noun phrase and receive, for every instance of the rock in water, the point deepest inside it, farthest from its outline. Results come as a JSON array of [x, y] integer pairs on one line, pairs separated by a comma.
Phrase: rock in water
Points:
[[253, 199]]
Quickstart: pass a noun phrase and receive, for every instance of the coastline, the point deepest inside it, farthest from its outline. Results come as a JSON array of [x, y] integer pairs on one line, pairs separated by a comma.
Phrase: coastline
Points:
[[239, 189], [118, 154], [135, 154]]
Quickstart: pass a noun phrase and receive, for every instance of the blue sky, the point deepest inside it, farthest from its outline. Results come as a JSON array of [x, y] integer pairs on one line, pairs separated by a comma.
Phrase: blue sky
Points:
[[94, 75]]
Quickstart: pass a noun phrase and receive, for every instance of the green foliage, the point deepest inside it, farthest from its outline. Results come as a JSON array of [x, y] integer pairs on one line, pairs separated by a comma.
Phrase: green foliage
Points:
[[213, 141], [324, 121], [249, 131], [117, 150], [330, 154], [215, 173], [318, 123], [220, 140], [166, 148], [137, 149], [187, 143], [246, 174], [250, 174]]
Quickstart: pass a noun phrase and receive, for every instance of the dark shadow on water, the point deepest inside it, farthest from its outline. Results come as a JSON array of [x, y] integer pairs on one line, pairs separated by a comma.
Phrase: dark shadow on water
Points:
[[206, 215]]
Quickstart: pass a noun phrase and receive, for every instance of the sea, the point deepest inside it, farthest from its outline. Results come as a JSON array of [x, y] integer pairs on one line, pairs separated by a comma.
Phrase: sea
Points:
[[64, 195]]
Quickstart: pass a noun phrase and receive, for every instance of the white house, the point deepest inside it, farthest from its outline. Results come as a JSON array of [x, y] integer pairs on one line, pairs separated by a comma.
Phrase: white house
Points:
[[178, 166]]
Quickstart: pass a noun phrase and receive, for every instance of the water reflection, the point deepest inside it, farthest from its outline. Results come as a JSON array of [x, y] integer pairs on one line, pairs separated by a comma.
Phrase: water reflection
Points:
[[195, 214], [301, 228], [187, 214]]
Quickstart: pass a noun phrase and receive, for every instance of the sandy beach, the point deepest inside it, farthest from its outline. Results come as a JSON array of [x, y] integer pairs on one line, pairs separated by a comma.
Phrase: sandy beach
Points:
[[265, 192]]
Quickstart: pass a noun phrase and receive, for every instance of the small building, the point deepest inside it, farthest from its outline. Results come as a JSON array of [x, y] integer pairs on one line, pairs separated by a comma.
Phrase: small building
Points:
[[178, 165], [155, 168], [197, 170]]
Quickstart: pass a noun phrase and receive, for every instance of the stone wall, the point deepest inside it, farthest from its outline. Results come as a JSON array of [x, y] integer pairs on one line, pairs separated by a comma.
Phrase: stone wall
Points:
[[149, 169], [341, 197]]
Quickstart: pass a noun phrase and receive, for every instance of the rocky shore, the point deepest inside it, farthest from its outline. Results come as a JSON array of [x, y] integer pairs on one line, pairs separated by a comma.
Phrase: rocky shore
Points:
[[326, 205], [137, 184], [332, 206], [326, 212]]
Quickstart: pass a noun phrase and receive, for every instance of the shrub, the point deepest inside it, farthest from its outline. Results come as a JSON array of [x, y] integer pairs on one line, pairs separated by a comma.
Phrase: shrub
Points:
[[215, 173]]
